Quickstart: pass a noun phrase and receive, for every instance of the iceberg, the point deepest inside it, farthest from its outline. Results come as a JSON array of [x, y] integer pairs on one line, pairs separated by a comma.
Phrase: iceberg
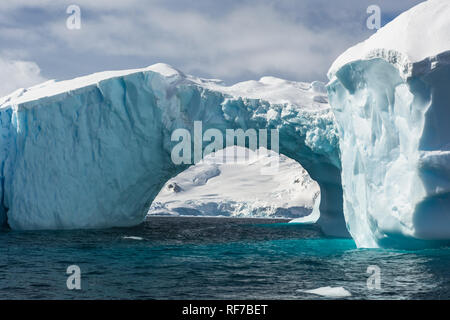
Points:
[[231, 182], [330, 292], [391, 99], [94, 152]]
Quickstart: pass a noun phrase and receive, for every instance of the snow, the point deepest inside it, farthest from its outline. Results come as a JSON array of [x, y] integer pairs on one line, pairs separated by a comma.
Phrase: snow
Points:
[[331, 292], [94, 152], [237, 186], [278, 91], [271, 89], [394, 133], [413, 42]]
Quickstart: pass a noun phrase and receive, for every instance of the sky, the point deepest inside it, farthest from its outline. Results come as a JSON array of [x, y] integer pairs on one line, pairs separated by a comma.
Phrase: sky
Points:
[[232, 40]]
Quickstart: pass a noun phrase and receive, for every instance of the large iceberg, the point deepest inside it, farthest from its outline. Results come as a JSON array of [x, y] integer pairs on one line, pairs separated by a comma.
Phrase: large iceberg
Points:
[[95, 151], [391, 98]]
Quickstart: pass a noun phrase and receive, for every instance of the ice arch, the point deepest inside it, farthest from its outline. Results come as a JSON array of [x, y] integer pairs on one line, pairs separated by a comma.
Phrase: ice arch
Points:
[[93, 152]]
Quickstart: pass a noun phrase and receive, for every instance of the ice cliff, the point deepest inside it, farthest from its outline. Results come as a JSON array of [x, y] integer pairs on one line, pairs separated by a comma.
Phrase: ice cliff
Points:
[[391, 98], [95, 151]]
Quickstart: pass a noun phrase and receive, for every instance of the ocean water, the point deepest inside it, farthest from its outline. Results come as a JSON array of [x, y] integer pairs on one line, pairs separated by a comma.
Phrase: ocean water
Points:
[[211, 258]]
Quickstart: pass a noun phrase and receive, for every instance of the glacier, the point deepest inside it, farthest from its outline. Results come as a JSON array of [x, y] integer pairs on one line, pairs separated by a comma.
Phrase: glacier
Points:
[[231, 183], [93, 152], [391, 98]]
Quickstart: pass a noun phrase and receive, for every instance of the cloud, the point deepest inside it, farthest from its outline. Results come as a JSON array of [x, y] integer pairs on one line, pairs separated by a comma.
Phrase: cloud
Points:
[[250, 40], [234, 40], [16, 74]]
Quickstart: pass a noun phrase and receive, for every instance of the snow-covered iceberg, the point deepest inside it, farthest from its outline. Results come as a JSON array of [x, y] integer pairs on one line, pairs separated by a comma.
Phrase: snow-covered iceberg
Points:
[[391, 98], [233, 183], [95, 151]]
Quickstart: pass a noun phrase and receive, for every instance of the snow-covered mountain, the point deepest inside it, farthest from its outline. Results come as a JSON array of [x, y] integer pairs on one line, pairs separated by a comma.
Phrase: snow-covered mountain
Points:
[[233, 183]]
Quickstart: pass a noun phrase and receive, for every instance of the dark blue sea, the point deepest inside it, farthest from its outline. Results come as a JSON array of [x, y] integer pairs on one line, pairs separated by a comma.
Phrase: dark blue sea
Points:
[[211, 258]]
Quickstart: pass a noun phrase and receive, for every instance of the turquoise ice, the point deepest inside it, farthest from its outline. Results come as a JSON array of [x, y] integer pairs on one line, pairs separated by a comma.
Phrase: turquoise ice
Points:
[[94, 152]]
